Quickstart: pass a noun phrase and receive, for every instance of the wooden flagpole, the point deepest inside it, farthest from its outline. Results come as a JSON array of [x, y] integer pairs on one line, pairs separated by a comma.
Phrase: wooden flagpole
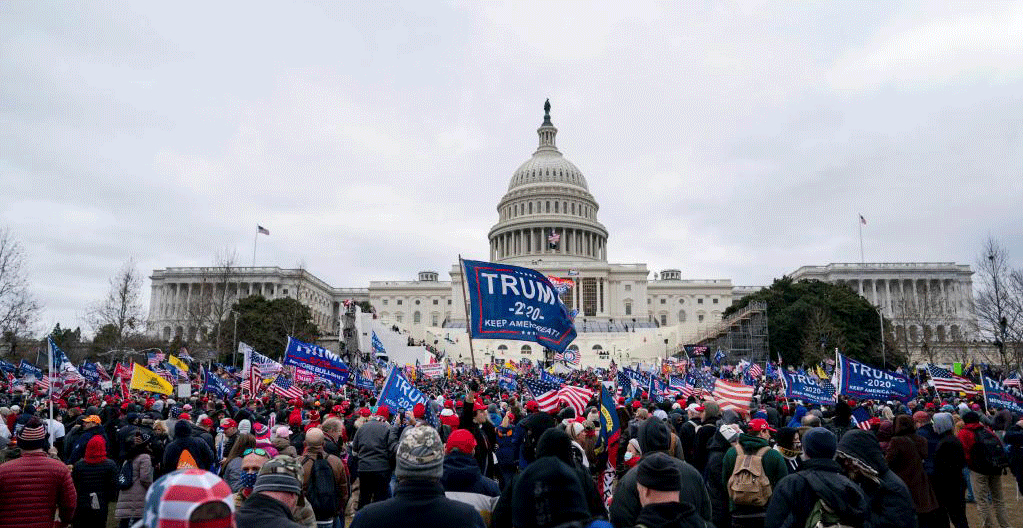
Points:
[[465, 306]]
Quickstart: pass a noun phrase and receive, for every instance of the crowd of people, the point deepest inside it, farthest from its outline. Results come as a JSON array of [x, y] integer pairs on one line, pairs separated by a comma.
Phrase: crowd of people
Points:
[[477, 455]]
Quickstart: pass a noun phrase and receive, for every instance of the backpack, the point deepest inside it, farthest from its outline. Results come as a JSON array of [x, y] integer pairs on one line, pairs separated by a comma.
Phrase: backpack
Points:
[[125, 478], [822, 515], [186, 460], [987, 455], [748, 485], [322, 492]]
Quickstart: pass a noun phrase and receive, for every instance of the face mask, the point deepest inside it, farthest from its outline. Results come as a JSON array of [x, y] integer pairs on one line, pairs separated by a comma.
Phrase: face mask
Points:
[[248, 480], [629, 455]]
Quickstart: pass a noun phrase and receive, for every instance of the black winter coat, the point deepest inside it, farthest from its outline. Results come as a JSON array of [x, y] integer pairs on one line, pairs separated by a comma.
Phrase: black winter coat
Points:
[[949, 461], [77, 450], [183, 440], [793, 499], [716, 449], [421, 501], [100, 479], [890, 504], [704, 433], [261, 510], [670, 515]]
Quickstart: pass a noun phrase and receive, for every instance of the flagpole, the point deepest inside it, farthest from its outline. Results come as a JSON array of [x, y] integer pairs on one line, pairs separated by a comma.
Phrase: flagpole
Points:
[[859, 223], [255, 239], [49, 364], [465, 306]]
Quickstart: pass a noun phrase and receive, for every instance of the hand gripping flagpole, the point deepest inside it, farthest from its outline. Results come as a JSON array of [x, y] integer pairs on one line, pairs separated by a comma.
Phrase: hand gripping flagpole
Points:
[[465, 305]]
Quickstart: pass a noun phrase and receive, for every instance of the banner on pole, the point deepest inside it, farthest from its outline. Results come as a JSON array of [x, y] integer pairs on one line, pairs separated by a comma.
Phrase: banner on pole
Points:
[[511, 302], [996, 396], [863, 381], [398, 394], [322, 362], [808, 389]]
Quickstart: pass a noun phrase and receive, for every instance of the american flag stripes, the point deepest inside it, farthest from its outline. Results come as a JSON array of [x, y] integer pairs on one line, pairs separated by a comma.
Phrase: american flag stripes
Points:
[[945, 380], [732, 395], [284, 387], [575, 397], [860, 418], [1012, 380], [545, 393], [755, 371]]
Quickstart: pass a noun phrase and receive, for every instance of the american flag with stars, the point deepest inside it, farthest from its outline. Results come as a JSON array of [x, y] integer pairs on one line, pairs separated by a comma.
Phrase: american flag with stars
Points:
[[545, 393], [283, 386], [944, 380]]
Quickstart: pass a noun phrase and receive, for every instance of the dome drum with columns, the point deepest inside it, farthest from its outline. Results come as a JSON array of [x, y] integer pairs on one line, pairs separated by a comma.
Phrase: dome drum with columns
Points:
[[548, 200]]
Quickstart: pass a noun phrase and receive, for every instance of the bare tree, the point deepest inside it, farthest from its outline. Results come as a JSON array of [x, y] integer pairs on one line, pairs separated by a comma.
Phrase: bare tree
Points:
[[999, 302], [820, 336], [18, 307], [120, 313], [932, 318], [209, 304]]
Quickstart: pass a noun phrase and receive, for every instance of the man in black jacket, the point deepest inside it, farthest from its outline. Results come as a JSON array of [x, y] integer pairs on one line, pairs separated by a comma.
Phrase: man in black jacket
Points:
[[709, 414], [820, 477], [419, 496], [273, 497], [658, 483], [476, 419], [198, 449], [889, 502]]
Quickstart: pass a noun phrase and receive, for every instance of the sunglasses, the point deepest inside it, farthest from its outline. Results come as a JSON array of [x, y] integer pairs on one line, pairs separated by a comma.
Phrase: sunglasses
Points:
[[258, 450]]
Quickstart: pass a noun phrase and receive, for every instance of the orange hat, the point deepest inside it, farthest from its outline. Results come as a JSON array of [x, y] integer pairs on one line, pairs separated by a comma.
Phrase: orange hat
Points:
[[92, 418]]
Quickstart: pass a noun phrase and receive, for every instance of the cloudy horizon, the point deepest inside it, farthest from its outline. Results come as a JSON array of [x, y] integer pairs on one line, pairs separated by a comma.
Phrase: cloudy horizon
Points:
[[731, 141]]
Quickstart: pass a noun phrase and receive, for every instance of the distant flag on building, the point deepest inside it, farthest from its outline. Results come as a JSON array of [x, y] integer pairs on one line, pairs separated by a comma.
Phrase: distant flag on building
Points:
[[863, 220], [553, 239], [572, 272], [262, 230]]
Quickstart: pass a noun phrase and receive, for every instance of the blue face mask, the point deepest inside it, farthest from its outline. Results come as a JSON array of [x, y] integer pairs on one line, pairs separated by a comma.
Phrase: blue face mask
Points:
[[248, 480]]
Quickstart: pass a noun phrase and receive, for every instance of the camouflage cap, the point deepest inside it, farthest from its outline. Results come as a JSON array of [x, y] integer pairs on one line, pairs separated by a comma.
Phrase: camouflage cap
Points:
[[283, 464], [420, 453]]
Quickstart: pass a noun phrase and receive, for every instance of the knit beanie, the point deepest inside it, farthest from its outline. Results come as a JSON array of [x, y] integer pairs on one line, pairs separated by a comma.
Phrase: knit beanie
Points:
[[280, 474], [420, 454], [96, 450], [546, 494], [658, 472], [943, 423], [820, 443], [461, 439], [32, 435]]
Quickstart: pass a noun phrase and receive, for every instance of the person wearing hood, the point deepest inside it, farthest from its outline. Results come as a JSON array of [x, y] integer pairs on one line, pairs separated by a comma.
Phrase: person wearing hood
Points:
[[889, 503], [531, 429], [508, 441], [130, 502], [949, 461], [658, 483], [709, 414], [1014, 441], [906, 453], [719, 444], [95, 479], [199, 454], [987, 482], [797, 418], [553, 443], [655, 437], [90, 428], [788, 444], [794, 499], [462, 479], [841, 422], [550, 493], [752, 443]]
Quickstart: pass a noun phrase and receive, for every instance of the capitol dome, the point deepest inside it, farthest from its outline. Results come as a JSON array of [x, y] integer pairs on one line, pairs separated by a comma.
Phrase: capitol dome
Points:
[[548, 211]]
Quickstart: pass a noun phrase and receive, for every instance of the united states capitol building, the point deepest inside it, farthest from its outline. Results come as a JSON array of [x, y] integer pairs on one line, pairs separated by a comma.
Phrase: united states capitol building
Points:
[[548, 221]]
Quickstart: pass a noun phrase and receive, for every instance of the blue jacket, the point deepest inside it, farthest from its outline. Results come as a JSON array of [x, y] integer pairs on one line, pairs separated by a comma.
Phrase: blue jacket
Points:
[[508, 441]]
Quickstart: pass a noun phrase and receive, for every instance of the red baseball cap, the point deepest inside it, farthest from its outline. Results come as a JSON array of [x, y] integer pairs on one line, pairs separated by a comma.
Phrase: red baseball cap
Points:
[[463, 440], [364, 412], [531, 405], [418, 410], [757, 425], [636, 404], [206, 422]]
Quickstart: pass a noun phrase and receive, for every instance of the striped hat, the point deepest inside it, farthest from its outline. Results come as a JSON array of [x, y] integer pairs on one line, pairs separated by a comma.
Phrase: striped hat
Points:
[[173, 498], [32, 435]]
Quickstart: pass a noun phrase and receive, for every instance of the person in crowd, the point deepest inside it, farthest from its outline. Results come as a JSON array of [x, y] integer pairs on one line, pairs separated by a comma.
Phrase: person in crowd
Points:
[[95, 480], [462, 480], [276, 498], [374, 444], [476, 419], [1014, 441], [709, 414], [508, 442], [889, 502], [687, 431], [531, 427], [232, 470], [90, 428], [654, 437], [549, 493], [720, 443], [820, 479], [751, 448], [419, 495], [225, 440], [788, 444], [324, 479], [987, 459], [206, 502], [905, 455], [633, 453], [332, 431], [280, 439], [925, 428], [252, 461], [187, 451], [33, 487], [130, 501], [949, 461], [658, 484]]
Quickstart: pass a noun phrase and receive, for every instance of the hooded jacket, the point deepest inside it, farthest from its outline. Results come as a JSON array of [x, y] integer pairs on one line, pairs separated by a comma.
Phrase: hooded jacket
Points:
[[625, 507], [793, 498], [183, 440], [889, 502], [374, 445], [463, 482], [718, 493], [418, 501], [906, 454], [669, 514]]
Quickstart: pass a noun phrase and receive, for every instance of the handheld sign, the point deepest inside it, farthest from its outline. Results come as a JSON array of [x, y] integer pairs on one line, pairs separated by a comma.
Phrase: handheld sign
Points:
[[510, 302], [863, 381]]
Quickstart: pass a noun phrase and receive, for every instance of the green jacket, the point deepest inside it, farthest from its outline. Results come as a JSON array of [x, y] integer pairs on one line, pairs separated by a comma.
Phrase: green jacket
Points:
[[774, 462]]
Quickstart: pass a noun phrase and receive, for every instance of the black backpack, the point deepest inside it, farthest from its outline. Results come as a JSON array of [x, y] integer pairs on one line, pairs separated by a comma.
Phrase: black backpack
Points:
[[125, 478], [987, 455], [322, 493]]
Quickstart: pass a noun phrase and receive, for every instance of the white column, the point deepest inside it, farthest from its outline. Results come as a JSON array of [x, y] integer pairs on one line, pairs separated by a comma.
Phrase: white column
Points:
[[888, 296]]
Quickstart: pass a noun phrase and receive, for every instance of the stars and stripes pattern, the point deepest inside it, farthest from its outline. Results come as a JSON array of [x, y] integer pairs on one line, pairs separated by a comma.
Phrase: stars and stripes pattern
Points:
[[612, 371], [283, 386], [575, 397], [545, 393], [861, 418], [1012, 380], [172, 499], [755, 371], [569, 356], [944, 380], [155, 358], [732, 395]]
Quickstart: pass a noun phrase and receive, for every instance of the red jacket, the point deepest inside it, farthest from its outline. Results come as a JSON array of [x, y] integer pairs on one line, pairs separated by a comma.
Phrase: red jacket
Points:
[[968, 434], [35, 486]]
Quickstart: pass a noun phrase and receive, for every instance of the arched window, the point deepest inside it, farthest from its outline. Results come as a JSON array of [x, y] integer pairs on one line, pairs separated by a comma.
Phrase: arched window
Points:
[[681, 316], [434, 317], [530, 208], [166, 333], [398, 317], [416, 317], [556, 207], [601, 353], [548, 210], [502, 348], [573, 207], [573, 347], [526, 350]]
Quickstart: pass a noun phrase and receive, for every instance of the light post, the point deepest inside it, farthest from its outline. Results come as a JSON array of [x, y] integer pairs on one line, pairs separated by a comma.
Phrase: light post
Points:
[[880, 317], [234, 357]]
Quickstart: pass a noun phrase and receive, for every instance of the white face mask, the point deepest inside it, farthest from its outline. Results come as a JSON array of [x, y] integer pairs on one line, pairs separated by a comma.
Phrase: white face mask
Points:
[[629, 455]]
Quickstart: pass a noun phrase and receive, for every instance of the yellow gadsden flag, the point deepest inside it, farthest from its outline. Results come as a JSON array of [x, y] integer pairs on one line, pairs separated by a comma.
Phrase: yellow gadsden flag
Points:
[[146, 380], [178, 364]]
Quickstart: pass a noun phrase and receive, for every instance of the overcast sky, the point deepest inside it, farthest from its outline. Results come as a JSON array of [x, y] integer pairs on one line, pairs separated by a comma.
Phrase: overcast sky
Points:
[[729, 140]]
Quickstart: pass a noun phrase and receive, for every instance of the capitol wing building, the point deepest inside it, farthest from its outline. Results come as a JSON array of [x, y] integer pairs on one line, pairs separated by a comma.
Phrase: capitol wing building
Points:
[[547, 221]]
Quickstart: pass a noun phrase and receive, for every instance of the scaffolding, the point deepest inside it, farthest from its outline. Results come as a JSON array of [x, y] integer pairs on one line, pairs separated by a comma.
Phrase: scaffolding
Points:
[[742, 336]]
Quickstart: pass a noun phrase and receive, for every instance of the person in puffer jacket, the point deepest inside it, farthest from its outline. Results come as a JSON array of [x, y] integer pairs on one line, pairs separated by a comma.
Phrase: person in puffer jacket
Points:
[[889, 503], [462, 479], [184, 441], [35, 485], [508, 441], [131, 502], [95, 478]]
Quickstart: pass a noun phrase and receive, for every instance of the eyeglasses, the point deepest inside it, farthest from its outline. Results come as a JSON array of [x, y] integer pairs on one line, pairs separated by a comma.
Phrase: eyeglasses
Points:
[[258, 450]]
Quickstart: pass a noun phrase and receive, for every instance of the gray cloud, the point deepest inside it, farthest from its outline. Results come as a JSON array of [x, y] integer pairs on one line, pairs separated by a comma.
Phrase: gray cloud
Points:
[[731, 141]]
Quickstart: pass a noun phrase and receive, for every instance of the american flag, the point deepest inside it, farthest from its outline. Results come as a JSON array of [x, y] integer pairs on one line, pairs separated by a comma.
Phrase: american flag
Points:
[[167, 502], [554, 238], [575, 397], [545, 393], [1012, 380], [945, 380], [569, 356], [154, 358], [612, 371], [678, 385], [285, 387], [860, 418], [755, 371], [732, 395]]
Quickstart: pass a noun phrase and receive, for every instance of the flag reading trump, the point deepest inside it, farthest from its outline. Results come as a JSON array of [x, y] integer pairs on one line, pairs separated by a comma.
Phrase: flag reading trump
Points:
[[510, 302]]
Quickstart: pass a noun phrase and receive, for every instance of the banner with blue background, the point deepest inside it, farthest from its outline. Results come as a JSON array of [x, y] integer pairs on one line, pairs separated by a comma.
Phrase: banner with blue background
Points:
[[320, 361], [807, 388], [863, 381], [996, 396]]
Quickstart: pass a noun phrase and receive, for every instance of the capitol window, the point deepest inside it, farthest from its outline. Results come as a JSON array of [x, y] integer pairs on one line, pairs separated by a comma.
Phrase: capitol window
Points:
[[416, 317], [699, 301], [628, 308], [664, 319], [526, 350], [385, 302], [398, 302], [436, 302], [714, 300], [699, 318], [664, 301], [628, 287], [417, 302]]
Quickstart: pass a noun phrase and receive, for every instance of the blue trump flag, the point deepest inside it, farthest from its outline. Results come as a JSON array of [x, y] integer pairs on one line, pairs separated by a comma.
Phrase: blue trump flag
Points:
[[609, 440], [7, 367], [806, 388], [399, 395], [863, 381], [510, 302], [320, 361], [29, 370], [996, 396], [214, 384], [90, 371]]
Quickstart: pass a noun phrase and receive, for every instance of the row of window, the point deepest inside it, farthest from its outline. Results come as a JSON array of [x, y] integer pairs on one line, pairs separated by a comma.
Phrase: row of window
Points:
[[399, 302], [545, 207], [417, 317], [664, 300], [527, 350]]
